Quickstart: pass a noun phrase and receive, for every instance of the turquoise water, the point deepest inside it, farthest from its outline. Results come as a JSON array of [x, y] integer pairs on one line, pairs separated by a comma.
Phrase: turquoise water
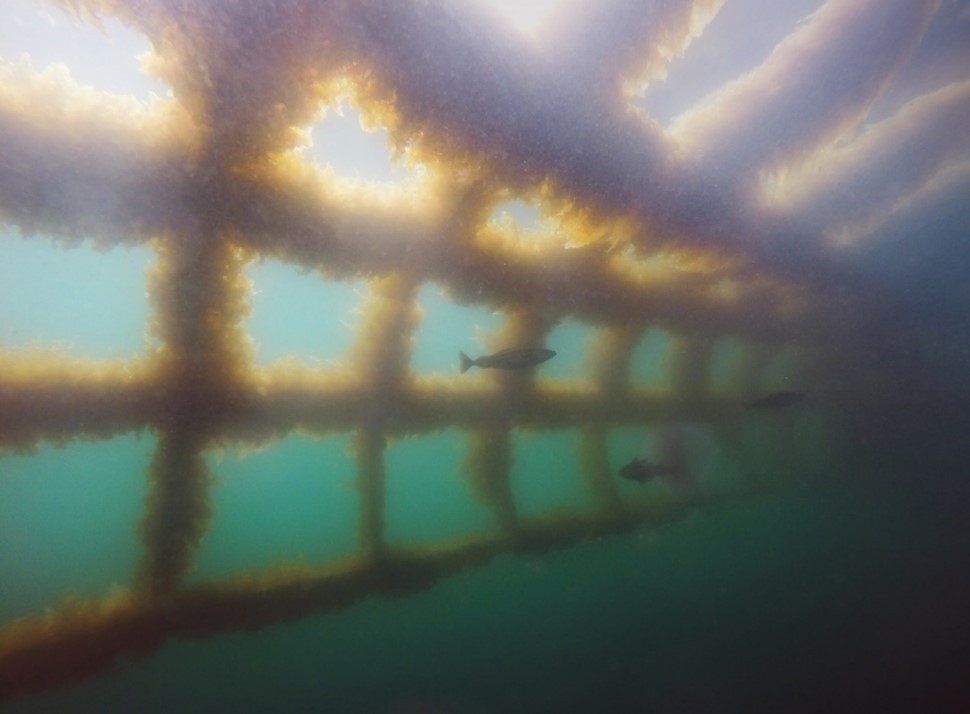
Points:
[[797, 597]]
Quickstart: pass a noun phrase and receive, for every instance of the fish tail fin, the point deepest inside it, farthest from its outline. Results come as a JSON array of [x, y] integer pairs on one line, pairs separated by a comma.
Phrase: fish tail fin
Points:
[[466, 361]]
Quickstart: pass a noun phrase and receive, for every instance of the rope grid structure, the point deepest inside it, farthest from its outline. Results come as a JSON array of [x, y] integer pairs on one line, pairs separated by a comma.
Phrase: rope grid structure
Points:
[[646, 238]]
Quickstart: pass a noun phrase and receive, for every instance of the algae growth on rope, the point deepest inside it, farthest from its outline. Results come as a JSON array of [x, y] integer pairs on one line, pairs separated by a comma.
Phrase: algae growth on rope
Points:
[[735, 220]]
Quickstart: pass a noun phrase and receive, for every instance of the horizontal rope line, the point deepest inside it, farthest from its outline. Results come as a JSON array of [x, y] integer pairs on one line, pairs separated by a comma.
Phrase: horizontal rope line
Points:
[[86, 637]]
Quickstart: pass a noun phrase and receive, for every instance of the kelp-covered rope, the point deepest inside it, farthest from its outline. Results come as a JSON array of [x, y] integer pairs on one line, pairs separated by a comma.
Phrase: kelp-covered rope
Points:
[[693, 229]]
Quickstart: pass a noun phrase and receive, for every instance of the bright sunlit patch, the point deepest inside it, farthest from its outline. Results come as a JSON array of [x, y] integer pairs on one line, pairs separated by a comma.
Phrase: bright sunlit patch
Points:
[[527, 17], [340, 141], [523, 225], [516, 217], [691, 75], [105, 57]]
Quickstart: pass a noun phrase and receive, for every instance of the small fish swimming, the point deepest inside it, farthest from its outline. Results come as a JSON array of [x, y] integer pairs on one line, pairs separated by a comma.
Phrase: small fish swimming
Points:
[[641, 470], [671, 459], [508, 359], [775, 400]]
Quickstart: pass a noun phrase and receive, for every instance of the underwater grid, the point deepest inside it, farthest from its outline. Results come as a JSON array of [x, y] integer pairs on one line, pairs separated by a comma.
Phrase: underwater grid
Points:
[[678, 318]]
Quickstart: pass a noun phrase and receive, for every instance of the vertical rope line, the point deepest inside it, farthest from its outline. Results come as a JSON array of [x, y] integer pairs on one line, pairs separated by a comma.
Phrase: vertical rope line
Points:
[[178, 511], [489, 469], [689, 365], [200, 297], [370, 445], [383, 350], [595, 464], [610, 357]]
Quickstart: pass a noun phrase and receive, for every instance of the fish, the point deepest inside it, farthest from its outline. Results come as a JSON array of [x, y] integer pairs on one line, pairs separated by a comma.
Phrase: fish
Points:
[[641, 470], [775, 400], [672, 463], [507, 359]]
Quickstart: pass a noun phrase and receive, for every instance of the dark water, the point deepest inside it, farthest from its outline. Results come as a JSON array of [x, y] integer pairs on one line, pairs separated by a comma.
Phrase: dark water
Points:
[[844, 593]]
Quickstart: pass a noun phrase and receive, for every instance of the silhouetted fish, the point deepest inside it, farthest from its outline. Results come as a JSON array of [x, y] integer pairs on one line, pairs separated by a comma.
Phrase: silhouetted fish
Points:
[[508, 359], [775, 400], [641, 470], [671, 459]]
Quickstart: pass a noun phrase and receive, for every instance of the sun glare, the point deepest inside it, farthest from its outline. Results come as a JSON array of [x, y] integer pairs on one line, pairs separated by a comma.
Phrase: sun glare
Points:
[[527, 17]]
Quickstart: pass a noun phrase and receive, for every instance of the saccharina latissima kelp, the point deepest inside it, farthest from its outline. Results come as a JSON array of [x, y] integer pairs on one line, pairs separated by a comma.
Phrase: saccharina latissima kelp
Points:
[[703, 229]]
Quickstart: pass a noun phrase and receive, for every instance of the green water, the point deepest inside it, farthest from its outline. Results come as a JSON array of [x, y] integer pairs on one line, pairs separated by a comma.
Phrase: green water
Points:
[[843, 586], [783, 599]]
